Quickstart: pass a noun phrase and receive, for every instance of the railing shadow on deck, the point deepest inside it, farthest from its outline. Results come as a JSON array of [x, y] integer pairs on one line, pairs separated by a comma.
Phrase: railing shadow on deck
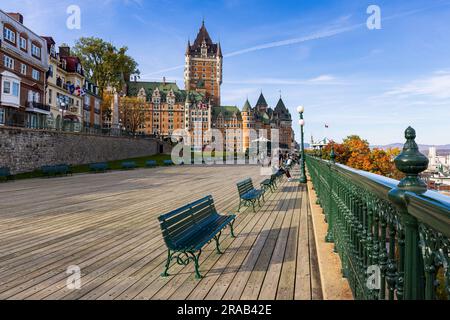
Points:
[[392, 237], [264, 257]]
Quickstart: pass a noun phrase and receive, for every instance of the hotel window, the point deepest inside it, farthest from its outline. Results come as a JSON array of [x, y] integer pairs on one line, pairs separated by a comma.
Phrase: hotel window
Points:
[[15, 89], [50, 94], [8, 62], [2, 116], [23, 43], [6, 87], [36, 75], [23, 69], [33, 96], [9, 35], [35, 51]]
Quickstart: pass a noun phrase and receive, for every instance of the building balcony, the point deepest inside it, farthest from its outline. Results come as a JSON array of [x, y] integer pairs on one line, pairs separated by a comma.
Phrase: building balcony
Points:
[[37, 107]]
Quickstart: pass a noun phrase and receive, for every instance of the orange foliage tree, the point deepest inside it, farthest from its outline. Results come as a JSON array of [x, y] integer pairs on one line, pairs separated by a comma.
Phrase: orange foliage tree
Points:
[[356, 153]]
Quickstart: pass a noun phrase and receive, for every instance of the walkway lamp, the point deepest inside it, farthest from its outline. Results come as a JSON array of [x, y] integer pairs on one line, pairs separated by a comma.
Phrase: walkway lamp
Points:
[[300, 111]]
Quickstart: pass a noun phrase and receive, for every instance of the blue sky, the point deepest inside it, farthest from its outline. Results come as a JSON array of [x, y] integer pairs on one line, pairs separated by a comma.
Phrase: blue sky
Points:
[[319, 54]]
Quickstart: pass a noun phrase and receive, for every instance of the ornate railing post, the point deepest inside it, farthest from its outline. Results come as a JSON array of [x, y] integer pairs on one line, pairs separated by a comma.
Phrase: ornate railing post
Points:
[[412, 163], [329, 238]]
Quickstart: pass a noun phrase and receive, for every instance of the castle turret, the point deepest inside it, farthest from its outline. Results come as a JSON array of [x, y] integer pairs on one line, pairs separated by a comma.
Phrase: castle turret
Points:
[[247, 125], [203, 66]]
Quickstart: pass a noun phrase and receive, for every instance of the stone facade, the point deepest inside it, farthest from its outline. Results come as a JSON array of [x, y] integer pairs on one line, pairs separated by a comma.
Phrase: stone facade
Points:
[[25, 150]]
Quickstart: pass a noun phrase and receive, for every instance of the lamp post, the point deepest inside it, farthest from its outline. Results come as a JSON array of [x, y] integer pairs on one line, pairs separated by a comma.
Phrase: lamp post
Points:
[[300, 111], [62, 110]]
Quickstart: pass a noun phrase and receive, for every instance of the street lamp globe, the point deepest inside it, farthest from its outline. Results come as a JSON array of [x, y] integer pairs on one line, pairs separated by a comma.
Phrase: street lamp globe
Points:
[[302, 123], [301, 109]]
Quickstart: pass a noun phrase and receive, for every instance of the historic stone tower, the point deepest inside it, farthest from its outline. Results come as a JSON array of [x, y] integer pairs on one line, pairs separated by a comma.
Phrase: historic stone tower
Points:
[[247, 125], [203, 67]]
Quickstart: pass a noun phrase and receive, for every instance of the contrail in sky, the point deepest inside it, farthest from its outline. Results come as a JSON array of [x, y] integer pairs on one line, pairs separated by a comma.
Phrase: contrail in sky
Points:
[[315, 36]]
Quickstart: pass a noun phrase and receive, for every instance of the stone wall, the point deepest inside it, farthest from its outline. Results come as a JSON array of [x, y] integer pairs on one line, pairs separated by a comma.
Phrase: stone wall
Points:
[[25, 150]]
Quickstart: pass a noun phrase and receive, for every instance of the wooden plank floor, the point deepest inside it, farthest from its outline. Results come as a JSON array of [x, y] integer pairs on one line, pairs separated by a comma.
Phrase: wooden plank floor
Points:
[[107, 225]]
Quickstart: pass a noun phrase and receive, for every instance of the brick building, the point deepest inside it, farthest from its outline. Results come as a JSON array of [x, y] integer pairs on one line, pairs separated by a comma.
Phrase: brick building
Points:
[[23, 67], [64, 88], [92, 111]]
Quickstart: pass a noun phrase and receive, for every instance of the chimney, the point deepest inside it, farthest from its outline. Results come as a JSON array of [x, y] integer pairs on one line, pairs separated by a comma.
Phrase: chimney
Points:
[[16, 16], [64, 51]]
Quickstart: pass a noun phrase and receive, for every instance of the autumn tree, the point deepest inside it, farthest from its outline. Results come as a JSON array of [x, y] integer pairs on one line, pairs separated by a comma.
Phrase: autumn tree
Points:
[[106, 106], [341, 151], [132, 114], [356, 153], [104, 64]]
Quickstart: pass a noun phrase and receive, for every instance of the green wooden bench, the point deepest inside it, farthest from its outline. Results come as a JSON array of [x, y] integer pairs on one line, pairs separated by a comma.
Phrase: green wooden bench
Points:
[[270, 183], [188, 229], [56, 170], [249, 195], [168, 163], [151, 164], [5, 174], [99, 167], [129, 165]]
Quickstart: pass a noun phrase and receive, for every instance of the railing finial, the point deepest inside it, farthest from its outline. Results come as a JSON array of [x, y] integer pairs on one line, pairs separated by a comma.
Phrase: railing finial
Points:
[[412, 163]]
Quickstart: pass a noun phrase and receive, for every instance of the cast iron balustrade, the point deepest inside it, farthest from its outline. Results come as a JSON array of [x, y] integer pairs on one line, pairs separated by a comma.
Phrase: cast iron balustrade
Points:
[[392, 237], [38, 105]]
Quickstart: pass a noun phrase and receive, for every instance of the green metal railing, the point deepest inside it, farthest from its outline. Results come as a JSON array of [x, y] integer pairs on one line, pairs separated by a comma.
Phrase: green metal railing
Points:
[[392, 237]]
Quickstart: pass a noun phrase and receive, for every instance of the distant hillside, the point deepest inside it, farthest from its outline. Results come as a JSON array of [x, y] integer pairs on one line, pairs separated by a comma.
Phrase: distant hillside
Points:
[[424, 148]]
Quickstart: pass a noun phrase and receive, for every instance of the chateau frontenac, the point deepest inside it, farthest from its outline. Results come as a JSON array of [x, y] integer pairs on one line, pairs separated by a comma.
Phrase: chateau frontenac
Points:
[[198, 108]]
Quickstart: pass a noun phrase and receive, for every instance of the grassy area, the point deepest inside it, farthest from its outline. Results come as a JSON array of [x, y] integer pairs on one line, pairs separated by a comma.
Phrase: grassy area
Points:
[[113, 165]]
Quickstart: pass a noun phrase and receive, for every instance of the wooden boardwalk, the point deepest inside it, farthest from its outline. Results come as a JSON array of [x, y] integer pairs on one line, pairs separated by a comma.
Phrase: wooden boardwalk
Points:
[[107, 225]]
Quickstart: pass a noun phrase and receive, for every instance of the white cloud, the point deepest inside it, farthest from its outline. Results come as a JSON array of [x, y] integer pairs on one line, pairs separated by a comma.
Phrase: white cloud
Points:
[[323, 78], [320, 80], [436, 86]]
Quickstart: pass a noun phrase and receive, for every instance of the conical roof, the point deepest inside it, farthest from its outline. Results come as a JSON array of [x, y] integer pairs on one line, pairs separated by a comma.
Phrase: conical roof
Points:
[[262, 101], [281, 111], [247, 107], [202, 35], [281, 107]]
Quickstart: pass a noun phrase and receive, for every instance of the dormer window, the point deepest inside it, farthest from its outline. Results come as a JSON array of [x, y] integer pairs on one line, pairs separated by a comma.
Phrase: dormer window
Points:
[[204, 49], [23, 43], [9, 35], [35, 51]]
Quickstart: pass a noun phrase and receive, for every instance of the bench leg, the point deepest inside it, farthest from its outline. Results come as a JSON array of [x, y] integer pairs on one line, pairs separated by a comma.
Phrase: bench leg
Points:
[[169, 259], [240, 204], [254, 204], [196, 258], [217, 238], [232, 228]]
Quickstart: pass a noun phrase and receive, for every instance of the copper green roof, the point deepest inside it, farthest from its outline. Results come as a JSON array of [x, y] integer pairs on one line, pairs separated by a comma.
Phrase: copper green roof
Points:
[[133, 88], [227, 112], [247, 107], [265, 118]]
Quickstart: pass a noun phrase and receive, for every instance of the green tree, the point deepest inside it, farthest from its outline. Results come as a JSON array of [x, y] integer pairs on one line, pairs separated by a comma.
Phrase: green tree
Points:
[[105, 64]]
